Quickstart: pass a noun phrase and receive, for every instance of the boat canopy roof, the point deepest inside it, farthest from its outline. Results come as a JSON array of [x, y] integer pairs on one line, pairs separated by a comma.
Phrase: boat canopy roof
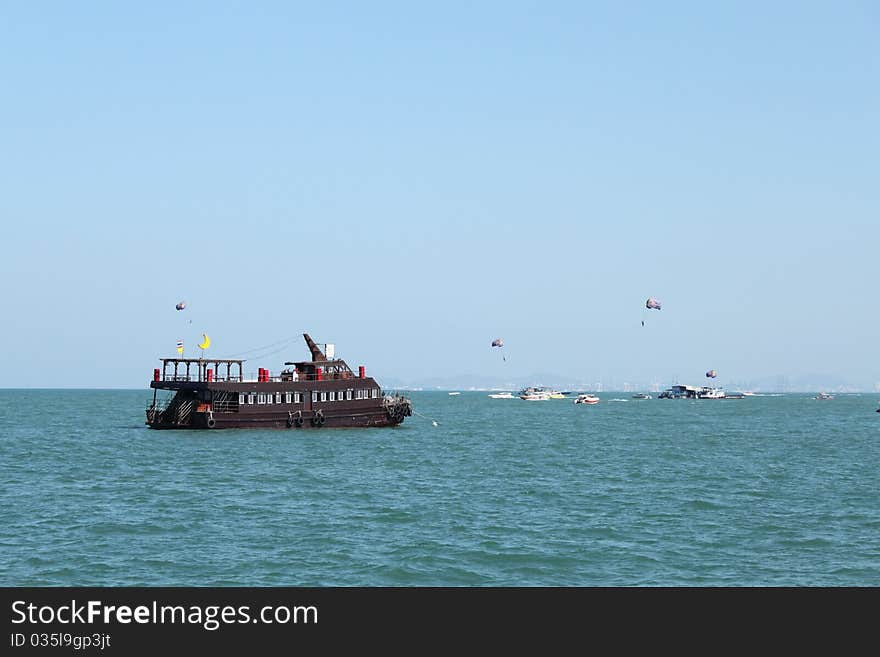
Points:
[[225, 361]]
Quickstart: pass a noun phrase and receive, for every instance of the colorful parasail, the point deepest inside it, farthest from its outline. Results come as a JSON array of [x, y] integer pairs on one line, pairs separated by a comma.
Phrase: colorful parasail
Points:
[[711, 374], [652, 304], [181, 305], [497, 342]]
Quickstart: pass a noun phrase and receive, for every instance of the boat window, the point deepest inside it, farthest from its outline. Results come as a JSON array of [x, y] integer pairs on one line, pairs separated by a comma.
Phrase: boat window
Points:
[[251, 398], [241, 398], [348, 394], [277, 397], [332, 395], [296, 398], [323, 396], [261, 398], [286, 397], [314, 395], [374, 393], [269, 398]]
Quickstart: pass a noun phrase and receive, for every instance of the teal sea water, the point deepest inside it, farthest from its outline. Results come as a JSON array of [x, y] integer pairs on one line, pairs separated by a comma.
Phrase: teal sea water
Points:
[[767, 491]]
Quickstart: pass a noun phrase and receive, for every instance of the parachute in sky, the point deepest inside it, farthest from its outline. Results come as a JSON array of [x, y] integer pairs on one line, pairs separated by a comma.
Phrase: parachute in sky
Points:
[[181, 305], [711, 374], [498, 342], [650, 304]]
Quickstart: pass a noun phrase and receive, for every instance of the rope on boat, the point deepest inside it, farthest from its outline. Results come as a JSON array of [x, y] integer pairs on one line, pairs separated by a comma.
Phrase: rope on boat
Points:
[[284, 343], [434, 422]]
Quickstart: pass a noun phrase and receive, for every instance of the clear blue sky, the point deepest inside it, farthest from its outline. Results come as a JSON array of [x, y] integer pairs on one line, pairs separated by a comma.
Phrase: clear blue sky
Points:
[[412, 181]]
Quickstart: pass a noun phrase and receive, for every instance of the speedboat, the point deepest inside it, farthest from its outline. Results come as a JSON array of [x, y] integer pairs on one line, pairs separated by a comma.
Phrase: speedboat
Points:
[[502, 395], [534, 394], [710, 393], [586, 399], [641, 395], [823, 395]]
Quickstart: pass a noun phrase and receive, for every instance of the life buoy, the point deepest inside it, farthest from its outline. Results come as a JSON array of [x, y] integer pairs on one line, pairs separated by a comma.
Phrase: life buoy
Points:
[[290, 422], [211, 423], [318, 419]]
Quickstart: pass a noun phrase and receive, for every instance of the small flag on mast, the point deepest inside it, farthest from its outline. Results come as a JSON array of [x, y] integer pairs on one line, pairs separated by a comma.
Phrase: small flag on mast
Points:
[[180, 347]]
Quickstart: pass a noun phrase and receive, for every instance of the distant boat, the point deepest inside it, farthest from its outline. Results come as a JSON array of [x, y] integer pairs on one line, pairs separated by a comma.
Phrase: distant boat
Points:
[[454, 393], [707, 392], [534, 394], [641, 395], [586, 399], [502, 395], [823, 395]]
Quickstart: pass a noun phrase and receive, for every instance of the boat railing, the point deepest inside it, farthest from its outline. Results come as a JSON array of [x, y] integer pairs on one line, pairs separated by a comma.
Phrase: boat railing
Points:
[[214, 379]]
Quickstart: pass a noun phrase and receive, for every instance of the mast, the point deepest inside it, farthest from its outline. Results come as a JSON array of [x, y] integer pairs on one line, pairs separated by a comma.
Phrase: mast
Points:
[[317, 354]]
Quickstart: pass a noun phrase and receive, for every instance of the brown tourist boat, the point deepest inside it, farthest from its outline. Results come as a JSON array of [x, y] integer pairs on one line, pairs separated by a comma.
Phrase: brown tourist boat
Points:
[[322, 392]]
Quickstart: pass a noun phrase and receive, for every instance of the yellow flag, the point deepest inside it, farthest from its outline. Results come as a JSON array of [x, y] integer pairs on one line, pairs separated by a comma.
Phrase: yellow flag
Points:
[[180, 347], [206, 342]]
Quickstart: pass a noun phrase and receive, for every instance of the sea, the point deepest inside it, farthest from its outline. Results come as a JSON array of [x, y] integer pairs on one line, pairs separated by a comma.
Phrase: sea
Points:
[[469, 492]]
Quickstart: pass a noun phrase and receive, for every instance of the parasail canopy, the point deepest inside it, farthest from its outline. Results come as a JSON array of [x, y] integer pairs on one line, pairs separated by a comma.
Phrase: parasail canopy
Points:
[[652, 304], [497, 342], [711, 374], [181, 305]]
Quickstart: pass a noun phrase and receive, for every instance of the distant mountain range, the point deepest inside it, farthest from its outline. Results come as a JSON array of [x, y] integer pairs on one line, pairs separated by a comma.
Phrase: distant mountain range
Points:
[[802, 383]]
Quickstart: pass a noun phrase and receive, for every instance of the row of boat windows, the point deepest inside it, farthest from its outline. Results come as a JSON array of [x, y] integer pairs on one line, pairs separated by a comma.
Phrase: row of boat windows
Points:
[[296, 398]]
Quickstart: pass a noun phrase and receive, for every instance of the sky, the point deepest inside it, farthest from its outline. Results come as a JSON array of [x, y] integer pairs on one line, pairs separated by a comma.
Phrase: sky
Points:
[[410, 181]]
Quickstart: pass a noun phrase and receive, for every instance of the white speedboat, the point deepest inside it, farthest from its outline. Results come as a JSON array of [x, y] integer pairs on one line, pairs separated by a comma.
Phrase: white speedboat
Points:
[[586, 399], [454, 393], [823, 395], [641, 395], [710, 393], [502, 395], [534, 394]]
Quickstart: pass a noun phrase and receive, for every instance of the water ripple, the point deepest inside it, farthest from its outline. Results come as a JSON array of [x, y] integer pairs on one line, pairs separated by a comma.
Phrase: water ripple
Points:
[[763, 491]]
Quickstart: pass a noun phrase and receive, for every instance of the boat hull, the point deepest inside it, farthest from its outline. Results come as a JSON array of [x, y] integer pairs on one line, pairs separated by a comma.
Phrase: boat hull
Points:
[[286, 422], [197, 406]]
